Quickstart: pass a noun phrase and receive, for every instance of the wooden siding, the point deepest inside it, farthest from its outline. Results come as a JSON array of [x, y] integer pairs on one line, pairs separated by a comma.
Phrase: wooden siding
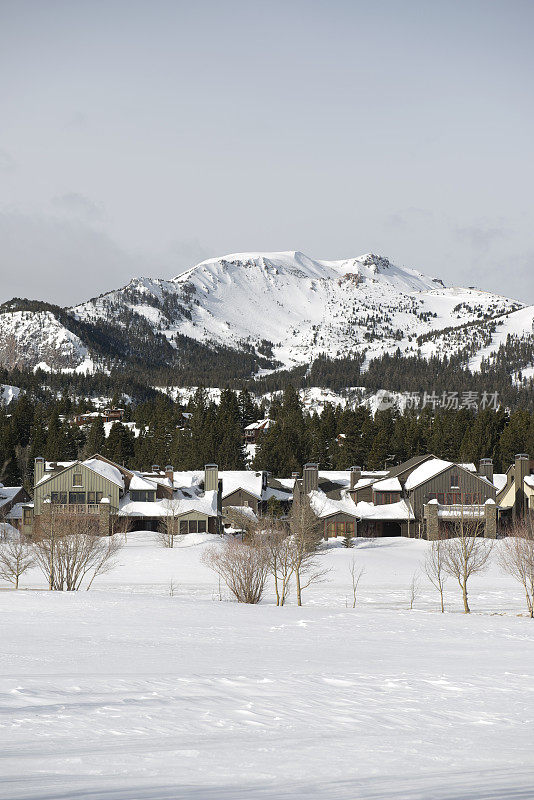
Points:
[[63, 482], [238, 498], [468, 483]]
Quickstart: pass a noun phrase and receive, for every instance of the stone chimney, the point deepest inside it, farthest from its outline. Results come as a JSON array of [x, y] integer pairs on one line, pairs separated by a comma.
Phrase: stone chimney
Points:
[[521, 470], [38, 470], [211, 478], [485, 468], [169, 473], [355, 476], [311, 478]]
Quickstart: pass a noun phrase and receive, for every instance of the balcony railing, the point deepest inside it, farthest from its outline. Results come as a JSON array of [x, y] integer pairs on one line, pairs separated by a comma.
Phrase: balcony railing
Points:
[[461, 510], [78, 508]]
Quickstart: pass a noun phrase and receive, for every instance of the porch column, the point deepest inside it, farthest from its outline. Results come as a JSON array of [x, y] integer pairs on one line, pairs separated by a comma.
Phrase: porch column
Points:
[[490, 519], [430, 514]]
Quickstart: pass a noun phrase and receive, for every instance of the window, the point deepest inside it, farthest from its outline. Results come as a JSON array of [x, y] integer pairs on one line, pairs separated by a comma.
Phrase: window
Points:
[[349, 528], [27, 516], [91, 497], [99, 496], [331, 529], [183, 527], [202, 526], [54, 497], [143, 496], [454, 480], [468, 498], [193, 526], [441, 498], [77, 498], [77, 479], [245, 503]]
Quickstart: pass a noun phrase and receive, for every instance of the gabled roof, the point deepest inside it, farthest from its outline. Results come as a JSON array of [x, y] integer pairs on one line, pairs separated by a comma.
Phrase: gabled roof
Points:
[[8, 493], [426, 471], [247, 480], [104, 468], [411, 463], [387, 485], [324, 506]]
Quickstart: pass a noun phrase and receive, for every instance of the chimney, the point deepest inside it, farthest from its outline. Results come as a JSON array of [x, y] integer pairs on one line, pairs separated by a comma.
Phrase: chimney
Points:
[[155, 467], [211, 478], [295, 475], [355, 476], [311, 478], [169, 473], [485, 468], [522, 469], [38, 470]]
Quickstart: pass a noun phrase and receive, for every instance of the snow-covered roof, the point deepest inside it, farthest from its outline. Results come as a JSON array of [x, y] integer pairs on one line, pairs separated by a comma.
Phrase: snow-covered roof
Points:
[[499, 480], [7, 493], [15, 512], [249, 481], [107, 471], [324, 506], [393, 511], [387, 485], [188, 478], [469, 466], [363, 482], [245, 511], [424, 472], [139, 483], [278, 494], [182, 503], [335, 476], [261, 424], [529, 480]]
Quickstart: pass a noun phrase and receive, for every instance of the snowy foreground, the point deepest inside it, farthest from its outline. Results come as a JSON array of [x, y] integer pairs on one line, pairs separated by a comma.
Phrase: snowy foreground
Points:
[[130, 692]]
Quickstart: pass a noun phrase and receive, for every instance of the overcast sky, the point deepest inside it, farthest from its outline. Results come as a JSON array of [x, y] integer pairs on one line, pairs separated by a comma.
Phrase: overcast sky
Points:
[[138, 138]]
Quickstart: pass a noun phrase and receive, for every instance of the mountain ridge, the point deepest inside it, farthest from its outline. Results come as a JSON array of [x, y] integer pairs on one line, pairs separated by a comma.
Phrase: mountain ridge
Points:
[[271, 310]]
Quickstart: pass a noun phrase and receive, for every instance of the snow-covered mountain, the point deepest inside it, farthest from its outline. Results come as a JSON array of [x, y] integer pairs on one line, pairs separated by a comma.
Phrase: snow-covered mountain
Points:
[[297, 307], [280, 309]]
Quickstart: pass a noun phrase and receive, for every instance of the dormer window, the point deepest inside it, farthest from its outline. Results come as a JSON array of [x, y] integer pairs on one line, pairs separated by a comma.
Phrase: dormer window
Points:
[[143, 496], [77, 479]]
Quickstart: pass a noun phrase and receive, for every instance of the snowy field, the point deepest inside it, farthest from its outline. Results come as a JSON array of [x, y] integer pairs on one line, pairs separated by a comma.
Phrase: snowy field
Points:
[[132, 692]]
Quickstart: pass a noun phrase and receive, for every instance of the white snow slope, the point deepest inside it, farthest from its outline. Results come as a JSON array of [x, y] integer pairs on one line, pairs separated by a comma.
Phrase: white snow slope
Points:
[[130, 693], [303, 306]]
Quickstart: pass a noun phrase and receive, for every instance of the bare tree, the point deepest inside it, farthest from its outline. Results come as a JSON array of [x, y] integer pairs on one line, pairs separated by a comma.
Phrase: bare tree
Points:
[[356, 576], [414, 590], [435, 567], [280, 554], [69, 549], [242, 521], [242, 564], [122, 524], [16, 556], [516, 557], [306, 534], [170, 523], [467, 553]]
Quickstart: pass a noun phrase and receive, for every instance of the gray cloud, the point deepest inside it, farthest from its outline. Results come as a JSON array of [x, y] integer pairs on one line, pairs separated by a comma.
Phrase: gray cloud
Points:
[[79, 206], [482, 236], [8, 164], [59, 260]]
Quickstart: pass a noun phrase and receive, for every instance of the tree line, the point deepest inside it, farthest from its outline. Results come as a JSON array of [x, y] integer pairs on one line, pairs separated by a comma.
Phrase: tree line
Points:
[[189, 435]]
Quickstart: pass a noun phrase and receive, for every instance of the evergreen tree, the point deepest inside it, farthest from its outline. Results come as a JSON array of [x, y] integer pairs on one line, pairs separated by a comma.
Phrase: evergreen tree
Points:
[[96, 438], [120, 444]]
